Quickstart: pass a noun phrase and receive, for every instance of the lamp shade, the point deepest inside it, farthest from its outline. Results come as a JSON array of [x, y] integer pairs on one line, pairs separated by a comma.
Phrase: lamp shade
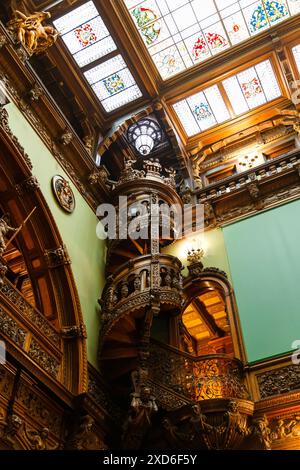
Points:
[[144, 136]]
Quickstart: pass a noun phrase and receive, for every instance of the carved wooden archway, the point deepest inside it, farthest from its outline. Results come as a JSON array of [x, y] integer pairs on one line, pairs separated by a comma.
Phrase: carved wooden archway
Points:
[[51, 340], [211, 279]]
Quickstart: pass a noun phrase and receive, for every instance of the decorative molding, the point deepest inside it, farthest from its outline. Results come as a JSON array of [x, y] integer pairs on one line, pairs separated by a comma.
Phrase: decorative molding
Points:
[[4, 123], [31, 314], [57, 257], [3, 40], [286, 428]]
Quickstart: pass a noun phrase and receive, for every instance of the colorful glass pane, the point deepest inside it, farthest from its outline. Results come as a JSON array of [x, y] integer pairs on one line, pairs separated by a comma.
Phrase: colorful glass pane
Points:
[[235, 95], [76, 17], [169, 62], [197, 29], [215, 40], [146, 21], [276, 11], [258, 19], [114, 84], [87, 38]]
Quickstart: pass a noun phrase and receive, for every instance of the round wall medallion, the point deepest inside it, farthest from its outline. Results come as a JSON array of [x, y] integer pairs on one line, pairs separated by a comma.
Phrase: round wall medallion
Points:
[[63, 193]]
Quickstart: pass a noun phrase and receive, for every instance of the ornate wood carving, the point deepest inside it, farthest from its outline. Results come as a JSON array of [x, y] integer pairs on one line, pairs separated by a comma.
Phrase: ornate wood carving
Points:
[[4, 124], [28, 185], [278, 381], [31, 33], [57, 257]]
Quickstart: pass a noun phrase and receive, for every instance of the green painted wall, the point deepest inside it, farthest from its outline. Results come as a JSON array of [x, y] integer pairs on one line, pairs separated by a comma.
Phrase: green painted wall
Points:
[[264, 258], [213, 244], [78, 230]]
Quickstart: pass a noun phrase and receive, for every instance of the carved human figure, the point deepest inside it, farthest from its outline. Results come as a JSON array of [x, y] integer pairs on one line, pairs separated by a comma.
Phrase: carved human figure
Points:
[[198, 421], [262, 431], [137, 283], [4, 230], [38, 440], [30, 31], [142, 408]]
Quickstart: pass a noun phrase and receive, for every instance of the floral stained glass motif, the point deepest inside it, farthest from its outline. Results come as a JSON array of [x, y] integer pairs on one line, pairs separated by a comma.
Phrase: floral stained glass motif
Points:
[[180, 33], [276, 10], [202, 110], [146, 20], [113, 83], [85, 35], [250, 88], [88, 40], [258, 19]]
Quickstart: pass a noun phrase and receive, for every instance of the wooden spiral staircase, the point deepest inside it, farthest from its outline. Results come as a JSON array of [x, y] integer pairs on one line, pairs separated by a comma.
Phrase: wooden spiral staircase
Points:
[[141, 281]]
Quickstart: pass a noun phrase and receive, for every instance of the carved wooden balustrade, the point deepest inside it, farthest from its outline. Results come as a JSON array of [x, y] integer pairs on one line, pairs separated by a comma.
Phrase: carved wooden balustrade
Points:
[[198, 378], [27, 330], [133, 286]]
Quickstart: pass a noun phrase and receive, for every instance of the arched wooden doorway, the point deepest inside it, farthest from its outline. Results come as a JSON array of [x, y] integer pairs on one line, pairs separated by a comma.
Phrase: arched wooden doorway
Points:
[[44, 308]]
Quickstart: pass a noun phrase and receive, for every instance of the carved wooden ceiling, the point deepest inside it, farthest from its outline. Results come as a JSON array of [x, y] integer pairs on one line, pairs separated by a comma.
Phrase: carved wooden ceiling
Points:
[[111, 73], [206, 321]]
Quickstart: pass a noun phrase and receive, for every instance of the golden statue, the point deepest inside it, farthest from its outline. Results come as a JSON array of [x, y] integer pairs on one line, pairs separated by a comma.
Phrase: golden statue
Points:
[[31, 33]]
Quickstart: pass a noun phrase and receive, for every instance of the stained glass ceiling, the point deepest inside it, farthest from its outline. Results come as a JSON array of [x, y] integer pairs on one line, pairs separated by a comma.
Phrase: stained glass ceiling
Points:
[[182, 33], [88, 40], [248, 89]]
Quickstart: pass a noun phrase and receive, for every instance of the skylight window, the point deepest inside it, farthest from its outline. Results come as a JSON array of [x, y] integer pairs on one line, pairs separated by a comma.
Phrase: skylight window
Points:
[[181, 33], [202, 111], [87, 38], [248, 89], [252, 87], [296, 53]]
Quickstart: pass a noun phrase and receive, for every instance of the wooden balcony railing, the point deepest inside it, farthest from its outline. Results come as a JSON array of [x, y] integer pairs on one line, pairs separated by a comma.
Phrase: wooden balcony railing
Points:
[[133, 284], [27, 329], [197, 378]]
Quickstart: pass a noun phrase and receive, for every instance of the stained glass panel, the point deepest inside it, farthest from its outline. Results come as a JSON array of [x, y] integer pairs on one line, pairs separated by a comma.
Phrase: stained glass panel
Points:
[[252, 87], [185, 32], [202, 110], [87, 38], [76, 17], [296, 53], [113, 83], [248, 89]]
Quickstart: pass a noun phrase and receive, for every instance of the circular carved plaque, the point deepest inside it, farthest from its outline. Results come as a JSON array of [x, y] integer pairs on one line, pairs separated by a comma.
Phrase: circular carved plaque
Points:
[[63, 193]]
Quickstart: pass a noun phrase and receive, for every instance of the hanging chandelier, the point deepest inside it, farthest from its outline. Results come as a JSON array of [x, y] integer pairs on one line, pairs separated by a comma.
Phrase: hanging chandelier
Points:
[[144, 136]]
